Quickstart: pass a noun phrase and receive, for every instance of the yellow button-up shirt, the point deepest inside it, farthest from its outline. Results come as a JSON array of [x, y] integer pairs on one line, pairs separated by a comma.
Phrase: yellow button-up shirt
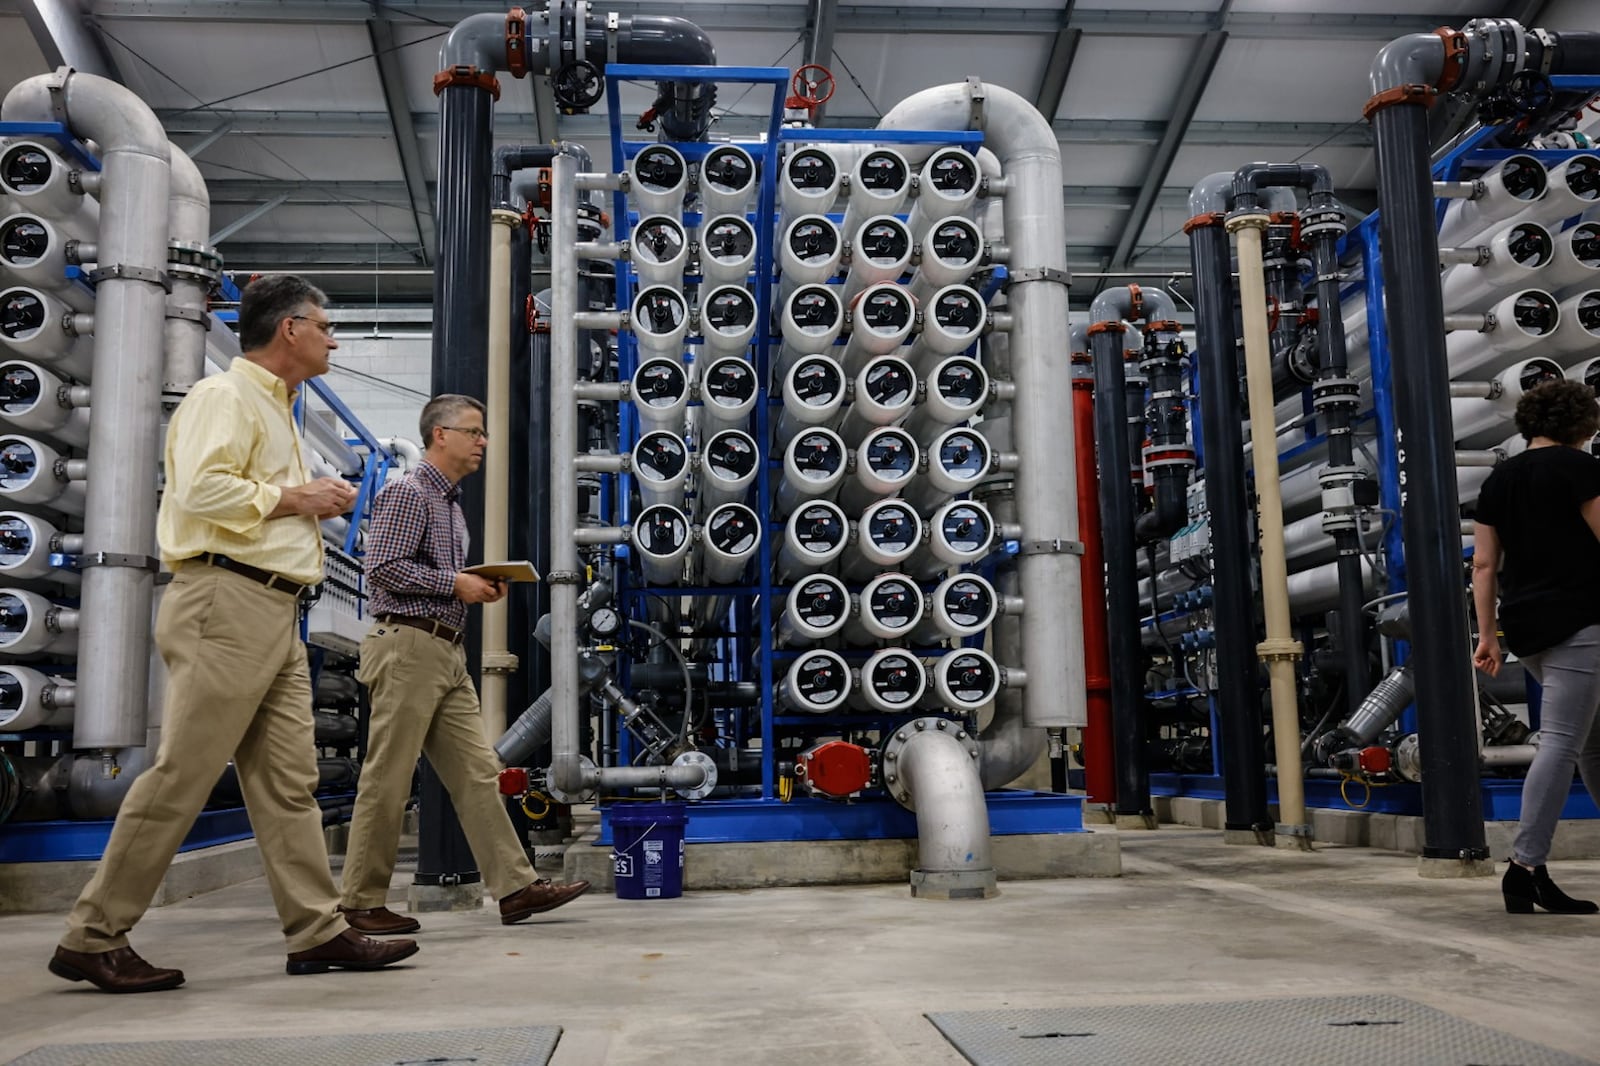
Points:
[[232, 448]]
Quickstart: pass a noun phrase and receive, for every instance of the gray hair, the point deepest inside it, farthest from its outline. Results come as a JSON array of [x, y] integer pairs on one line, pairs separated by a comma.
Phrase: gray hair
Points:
[[268, 300], [443, 410]]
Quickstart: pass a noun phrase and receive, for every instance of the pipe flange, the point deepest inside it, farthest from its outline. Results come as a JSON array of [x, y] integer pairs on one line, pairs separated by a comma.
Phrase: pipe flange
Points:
[[131, 562], [1279, 649], [190, 261], [1166, 455], [1050, 547], [125, 272], [584, 795], [1336, 394], [1324, 223], [564, 577], [1051, 274], [895, 744], [706, 764], [1239, 220]]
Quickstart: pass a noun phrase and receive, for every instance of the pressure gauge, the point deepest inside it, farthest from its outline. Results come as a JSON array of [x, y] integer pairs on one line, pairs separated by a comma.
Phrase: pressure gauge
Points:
[[605, 623]]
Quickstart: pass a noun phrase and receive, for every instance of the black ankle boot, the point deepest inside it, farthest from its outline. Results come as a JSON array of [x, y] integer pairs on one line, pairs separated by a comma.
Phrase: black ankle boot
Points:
[[1522, 888]]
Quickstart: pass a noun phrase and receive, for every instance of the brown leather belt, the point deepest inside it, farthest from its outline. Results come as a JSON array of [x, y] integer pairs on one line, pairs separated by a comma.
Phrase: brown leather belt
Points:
[[276, 582], [427, 625]]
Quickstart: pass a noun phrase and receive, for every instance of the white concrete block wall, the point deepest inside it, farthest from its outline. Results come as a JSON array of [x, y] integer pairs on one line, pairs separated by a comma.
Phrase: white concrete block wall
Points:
[[384, 380]]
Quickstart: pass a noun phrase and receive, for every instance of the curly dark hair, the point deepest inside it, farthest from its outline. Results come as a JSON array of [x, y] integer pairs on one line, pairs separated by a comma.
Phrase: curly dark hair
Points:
[[1564, 411]]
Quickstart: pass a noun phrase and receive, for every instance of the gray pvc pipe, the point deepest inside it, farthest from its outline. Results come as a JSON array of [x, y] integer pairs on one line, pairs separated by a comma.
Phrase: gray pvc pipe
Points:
[[1008, 746], [129, 315], [1046, 490]]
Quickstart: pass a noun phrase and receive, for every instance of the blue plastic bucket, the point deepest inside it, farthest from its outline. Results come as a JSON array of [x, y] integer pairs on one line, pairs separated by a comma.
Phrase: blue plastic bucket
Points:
[[647, 849]]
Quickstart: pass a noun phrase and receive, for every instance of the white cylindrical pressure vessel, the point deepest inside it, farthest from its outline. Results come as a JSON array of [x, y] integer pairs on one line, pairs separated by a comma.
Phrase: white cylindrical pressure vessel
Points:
[[818, 682], [728, 320], [33, 625], [954, 390], [1478, 423], [728, 462], [966, 679], [959, 534], [727, 178], [661, 393], [1586, 371], [952, 251], [1469, 479], [963, 605], [947, 186], [958, 459], [729, 541], [1579, 331], [817, 608], [31, 400], [813, 393], [1509, 186], [29, 475], [880, 250], [661, 538], [886, 461], [887, 609], [881, 320], [657, 180], [26, 543], [952, 321], [1521, 321], [813, 538], [660, 321], [37, 180], [1305, 543], [811, 320], [728, 391], [727, 250], [814, 463], [809, 252], [32, 700], [1316, 591], [880, 181], [1576, 264], [1517, 252], [887, 536], [38, 326], [809, 182], [33, 252], [885, 391], [660, 468], [1574, 187], [660, 251], [892, 680]]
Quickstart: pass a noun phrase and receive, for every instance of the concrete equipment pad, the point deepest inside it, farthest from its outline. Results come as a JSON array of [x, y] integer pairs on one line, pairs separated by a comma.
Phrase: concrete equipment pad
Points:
[[526, 1046], [1321, 1031]]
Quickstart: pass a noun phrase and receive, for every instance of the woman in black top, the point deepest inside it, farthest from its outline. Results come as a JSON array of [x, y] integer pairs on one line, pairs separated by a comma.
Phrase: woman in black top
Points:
[[1539, 515]]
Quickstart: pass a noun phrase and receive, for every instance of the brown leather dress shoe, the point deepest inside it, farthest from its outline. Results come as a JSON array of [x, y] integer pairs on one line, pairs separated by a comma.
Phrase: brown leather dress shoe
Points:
[[543, 895], [379, 921], [350, 951], [117, 970]]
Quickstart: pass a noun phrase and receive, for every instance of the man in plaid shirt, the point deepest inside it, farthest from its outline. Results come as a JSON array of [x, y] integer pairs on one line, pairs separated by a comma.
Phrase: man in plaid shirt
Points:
[[423, 698]]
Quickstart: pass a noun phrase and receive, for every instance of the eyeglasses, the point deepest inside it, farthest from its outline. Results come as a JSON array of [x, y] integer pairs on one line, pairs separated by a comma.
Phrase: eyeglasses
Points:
[[328, 328], [472, 431]]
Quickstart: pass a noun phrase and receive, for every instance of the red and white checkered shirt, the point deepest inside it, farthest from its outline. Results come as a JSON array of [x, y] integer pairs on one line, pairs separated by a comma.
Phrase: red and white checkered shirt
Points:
[[416, 545]]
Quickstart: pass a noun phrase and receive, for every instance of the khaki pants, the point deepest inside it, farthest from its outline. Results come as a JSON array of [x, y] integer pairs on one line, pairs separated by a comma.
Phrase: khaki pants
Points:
[[424, 703], [238, 687]]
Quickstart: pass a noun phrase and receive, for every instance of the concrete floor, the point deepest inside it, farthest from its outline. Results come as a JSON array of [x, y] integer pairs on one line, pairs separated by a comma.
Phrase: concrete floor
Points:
[[842, 975]]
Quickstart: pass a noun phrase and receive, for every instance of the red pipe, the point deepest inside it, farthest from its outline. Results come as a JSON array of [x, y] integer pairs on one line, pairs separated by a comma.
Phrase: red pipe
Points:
[[1098, 769]]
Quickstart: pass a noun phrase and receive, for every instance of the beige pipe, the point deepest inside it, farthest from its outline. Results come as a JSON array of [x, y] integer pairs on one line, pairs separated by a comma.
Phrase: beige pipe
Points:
[[1280, 650], [497, 660]]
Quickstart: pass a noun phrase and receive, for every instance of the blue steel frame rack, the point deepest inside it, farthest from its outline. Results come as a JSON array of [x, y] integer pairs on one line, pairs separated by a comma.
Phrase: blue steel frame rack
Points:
[[767, 817]]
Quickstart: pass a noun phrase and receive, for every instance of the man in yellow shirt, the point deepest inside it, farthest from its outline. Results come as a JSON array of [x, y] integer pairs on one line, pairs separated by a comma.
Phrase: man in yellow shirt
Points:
[[238, 525]]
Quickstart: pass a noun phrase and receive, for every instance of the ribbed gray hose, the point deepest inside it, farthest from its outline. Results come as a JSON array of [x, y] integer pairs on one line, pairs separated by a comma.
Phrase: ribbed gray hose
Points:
[[531, 730]]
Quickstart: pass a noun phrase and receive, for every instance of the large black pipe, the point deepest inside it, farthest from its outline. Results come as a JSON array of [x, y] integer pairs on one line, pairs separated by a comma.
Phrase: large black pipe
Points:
[[1452, 807], [1117, 512], [1244, 776]]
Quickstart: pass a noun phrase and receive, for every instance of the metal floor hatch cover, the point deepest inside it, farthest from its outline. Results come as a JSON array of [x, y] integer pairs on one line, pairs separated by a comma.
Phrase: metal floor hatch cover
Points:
[[1322, 1031], [525, 1046]]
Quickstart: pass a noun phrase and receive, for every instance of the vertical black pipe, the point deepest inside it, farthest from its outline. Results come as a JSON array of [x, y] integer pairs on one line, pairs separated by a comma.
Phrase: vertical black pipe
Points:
[[521, 603], [460, 365], [1244, 774], [1452, 807], [1117, 510]]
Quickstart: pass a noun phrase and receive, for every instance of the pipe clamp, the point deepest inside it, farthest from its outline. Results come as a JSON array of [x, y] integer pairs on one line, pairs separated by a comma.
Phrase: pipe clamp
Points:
[[125, 272], [1050, 547], [187, 314], [1019, 277], [563, 577], [977, 99], [133, 562]]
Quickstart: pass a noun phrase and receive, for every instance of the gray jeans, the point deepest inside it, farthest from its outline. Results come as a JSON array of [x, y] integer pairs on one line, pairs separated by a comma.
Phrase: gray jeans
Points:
[[1569, 673]]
